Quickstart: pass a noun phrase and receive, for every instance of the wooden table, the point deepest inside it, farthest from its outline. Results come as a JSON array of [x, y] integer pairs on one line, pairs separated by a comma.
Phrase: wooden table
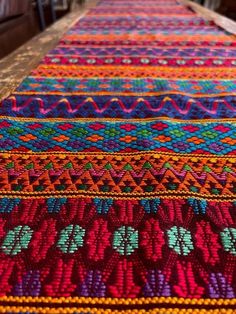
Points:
[[15, 67]]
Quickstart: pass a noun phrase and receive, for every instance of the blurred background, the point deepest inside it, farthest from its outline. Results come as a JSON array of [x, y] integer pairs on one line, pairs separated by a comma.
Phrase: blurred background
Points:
[[20, 20], [224, 7]]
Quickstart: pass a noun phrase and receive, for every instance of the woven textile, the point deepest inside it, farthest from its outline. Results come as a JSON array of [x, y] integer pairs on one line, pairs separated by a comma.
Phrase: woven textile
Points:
[[118, 168]]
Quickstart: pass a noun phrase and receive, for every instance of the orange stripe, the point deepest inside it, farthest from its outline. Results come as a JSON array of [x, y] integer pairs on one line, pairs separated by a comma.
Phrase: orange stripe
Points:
[[139, 14], [149, 37], [134, 72], [102, 93], [121, 301], [96, 310]]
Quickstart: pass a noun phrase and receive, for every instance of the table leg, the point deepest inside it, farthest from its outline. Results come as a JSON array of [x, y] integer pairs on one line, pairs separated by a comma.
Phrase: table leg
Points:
[[41, 14], [53, 12]]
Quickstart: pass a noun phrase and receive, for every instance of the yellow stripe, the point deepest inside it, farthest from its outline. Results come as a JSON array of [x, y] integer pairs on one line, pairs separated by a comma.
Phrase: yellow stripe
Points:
[[155, 154], [67, 310], [128, 67], [118, 196], [121, 301], [120, 120], [114, 93]]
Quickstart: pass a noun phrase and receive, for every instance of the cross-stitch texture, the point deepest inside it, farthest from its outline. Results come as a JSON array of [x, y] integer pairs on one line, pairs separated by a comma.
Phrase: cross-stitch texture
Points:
[[118, 168]]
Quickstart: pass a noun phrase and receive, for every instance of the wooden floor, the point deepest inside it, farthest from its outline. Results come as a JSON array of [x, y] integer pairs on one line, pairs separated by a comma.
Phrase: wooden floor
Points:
[[15, 67]]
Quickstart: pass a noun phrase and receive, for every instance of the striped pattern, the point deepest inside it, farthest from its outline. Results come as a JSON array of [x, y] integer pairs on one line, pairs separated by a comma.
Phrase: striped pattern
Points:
[[118, 168]]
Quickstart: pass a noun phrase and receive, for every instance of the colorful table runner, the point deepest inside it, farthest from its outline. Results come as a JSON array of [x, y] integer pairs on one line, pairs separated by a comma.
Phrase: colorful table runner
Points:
[[117, 168]]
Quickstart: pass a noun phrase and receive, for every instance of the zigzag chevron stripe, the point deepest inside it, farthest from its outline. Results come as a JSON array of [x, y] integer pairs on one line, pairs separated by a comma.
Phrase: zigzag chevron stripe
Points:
[[156, 174], [133, 51], [175, 106]]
